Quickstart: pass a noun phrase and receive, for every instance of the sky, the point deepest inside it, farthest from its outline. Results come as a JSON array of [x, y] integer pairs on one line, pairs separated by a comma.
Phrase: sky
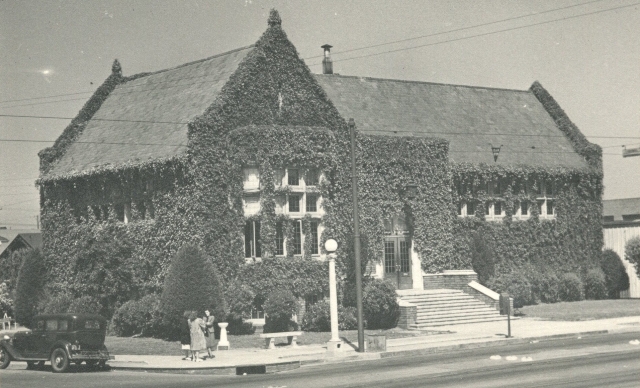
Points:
[[590, 64]]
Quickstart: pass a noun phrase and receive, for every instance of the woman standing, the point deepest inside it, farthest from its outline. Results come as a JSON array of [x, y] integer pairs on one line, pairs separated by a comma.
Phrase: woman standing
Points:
[[209, 331], [198, 342]]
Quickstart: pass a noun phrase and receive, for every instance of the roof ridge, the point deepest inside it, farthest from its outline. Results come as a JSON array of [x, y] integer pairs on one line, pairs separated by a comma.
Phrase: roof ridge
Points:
[[423, 82], [146, 74]]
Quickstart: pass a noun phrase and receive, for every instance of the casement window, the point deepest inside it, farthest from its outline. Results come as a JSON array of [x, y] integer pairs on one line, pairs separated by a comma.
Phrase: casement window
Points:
[[314, 237], [294, 203], [297, 238], [123, 212], [293, 177], [545, 199], [312, 203], [279, 239], [252, 239], [311, 178], [251, 204], [251, 178]]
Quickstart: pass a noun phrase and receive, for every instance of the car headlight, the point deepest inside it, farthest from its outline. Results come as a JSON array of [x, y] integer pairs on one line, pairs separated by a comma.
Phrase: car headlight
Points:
[[6, 337]]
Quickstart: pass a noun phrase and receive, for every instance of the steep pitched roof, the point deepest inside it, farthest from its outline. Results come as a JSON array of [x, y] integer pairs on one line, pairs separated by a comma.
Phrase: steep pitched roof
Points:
[[621, 207], [471, 118], [145, 118], [12, 237]]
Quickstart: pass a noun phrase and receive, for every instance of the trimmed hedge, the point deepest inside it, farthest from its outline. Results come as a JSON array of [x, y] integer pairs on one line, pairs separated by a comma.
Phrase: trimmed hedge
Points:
[[482, 258], [615, 274], [279, 307], [595, 284], [380, 305], [517, 285], [571, 289], [318, 317], [138, 317], [29, 288], [191, 284]]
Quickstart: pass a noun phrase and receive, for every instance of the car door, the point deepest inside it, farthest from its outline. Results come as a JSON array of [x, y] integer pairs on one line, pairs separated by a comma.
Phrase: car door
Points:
[[25, 342], [47, 339]]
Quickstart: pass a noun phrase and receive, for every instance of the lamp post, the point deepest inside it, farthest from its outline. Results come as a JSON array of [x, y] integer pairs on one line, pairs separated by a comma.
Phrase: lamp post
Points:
[[334, 343]]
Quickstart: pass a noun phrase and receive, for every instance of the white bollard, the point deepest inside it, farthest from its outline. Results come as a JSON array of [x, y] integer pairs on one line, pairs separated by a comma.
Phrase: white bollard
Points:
[[223, 344]]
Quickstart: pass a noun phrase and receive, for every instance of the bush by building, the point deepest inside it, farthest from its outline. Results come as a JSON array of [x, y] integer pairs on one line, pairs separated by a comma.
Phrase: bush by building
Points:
[[318, 317], [279, 307], [482, 258], [632, 253], [240, 300], [595, 284], [191, 284], [614, 272], [546, 287], [30, 286], [570, 287], [380, 305], [517, 285], [138, 317]]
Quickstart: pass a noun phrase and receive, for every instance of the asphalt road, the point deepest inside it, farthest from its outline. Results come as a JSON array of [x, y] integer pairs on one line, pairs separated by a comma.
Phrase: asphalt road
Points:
[[593, 361]]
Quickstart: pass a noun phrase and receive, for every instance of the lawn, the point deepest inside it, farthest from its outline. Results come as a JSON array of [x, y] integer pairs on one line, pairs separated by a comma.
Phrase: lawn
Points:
[[152, 346], [584, 310]]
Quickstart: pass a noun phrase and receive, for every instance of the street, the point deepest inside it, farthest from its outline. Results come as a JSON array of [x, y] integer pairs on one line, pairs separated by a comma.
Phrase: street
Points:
[[593, 361]]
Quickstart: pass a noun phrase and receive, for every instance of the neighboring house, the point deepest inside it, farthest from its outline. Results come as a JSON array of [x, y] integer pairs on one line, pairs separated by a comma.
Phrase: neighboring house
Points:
[[12, 240], [246, 153], [621, 223]]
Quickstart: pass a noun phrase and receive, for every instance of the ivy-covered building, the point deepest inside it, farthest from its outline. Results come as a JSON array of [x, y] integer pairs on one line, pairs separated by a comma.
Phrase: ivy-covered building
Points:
[[246, 154]]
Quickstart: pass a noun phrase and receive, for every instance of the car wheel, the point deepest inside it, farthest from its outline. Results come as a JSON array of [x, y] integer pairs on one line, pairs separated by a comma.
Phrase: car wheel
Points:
[[5, 358], [59, 361]]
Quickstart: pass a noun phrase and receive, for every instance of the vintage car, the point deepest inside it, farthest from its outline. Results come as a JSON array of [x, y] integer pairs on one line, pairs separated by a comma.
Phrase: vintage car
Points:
[[59, 338]]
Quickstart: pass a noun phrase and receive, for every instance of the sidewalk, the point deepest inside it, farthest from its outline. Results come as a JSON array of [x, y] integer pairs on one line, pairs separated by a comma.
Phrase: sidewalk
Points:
[[474, 335]]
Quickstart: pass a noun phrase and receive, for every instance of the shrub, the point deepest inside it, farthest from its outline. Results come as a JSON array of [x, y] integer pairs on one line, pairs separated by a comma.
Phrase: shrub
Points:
[[632, 252], [545, 287], [239, 298], [318, 317], [614, 273], [138, 317], [55, 303], [595, 284], [279, 306], [85, 305], [482, 258], [570, 288], [516, 285], [9, 268], [380, 305], [29, 288], [191, 284]]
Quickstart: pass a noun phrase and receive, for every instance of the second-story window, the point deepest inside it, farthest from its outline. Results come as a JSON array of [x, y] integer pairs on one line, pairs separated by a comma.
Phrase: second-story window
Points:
[[252, 239], [294, 177], [312, 203], [294, 203]]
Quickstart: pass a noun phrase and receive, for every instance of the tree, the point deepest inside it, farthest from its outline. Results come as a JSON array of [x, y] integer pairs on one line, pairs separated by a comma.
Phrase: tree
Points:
[[615, 274], [192, 283], [30, 286], [632, 252]]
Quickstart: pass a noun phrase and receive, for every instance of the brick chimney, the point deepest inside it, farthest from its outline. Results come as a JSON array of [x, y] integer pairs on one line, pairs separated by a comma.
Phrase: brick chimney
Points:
[[327, 64]]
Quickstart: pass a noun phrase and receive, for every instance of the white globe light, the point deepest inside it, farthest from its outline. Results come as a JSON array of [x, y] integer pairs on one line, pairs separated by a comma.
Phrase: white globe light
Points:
[[331, 245]]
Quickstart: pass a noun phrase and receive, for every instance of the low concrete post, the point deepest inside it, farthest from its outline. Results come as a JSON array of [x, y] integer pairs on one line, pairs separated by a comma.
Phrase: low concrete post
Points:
[[223, 344]]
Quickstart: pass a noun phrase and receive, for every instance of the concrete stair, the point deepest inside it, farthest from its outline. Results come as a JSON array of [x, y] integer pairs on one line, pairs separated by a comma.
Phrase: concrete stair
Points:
[[445, 307]]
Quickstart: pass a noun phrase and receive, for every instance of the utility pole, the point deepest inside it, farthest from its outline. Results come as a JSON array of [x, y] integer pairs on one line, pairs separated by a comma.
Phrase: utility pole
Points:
[[356, 232]]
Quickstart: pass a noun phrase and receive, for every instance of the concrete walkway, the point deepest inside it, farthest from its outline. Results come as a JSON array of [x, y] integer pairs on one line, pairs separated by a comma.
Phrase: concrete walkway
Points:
[[466, 336]]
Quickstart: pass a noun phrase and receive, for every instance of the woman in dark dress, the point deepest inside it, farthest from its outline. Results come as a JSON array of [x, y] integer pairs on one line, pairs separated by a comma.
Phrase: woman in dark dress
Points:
[[209, 331]]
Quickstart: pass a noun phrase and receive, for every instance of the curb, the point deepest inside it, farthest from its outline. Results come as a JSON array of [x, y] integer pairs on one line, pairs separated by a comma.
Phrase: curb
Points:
[[215, 370]]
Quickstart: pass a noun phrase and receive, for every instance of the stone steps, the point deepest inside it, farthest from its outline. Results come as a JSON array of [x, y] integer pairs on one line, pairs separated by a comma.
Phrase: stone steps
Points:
[[448, 307]]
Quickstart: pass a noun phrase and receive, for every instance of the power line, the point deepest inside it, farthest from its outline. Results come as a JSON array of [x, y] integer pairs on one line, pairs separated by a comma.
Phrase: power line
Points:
[[95, 142], [485, 34], [94, 119], [335, 53], [458, 29]]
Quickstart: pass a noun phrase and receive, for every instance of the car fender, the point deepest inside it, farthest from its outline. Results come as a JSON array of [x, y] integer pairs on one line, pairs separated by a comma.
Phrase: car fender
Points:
[[66, 345], [13, 352]]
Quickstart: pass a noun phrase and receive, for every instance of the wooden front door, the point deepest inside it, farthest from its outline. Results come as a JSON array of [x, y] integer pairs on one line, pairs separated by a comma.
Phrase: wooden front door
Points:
[[397, 261]]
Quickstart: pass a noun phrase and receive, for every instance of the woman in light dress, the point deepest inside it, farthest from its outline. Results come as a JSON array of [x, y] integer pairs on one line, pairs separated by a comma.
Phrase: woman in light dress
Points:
[[198, 342]]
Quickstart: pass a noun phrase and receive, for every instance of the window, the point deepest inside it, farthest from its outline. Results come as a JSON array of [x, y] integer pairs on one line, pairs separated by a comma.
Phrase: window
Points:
[[123, 212], [39, 325], [279, 239], [459, 208], [314, 237], [142, 210], [497, 209], [251, 204], [294, 203], [52, 324], [524, 208], [63, 325], [294, 177], [252, 239], [550, 207], [630, 217], [251, 178], [471, 208], [487, 209], [310, 300], [545, 199], [312, 177], [607, 218], [312, 203], [297, 238]]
